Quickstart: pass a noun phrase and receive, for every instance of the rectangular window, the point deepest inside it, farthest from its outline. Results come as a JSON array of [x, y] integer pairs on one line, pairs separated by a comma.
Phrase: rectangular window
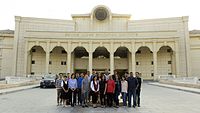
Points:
[[169, 62], [169, 73], [63, 52], [152, 74], [32, 73], [151, 62], [33, 62], [63, 63], [50, 62], [137, 63]]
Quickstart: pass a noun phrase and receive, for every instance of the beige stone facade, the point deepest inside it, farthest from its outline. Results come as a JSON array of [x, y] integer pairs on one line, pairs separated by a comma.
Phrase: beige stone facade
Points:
[[102, 40]]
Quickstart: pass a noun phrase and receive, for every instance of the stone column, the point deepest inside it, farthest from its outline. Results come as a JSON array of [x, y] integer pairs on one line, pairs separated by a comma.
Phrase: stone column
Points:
[[15, 45], [47, 62], [90, 61], [47, 58], [155, 65], [111, 62], [68, 62], [26, 59], [177, 59], [133, 61]]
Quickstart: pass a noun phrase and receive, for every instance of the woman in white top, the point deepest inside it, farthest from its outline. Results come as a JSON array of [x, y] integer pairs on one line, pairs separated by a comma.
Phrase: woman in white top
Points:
[[94, 85], [124, 89]]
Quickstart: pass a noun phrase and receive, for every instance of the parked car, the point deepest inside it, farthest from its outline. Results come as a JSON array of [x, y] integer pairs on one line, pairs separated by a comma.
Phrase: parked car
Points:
[[48, 81]]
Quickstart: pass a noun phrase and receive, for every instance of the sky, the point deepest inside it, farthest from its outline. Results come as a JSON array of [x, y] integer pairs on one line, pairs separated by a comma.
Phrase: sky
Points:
[[62, 9]]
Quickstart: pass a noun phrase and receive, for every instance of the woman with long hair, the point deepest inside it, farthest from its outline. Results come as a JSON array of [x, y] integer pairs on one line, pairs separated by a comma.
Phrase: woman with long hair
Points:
[[95, 90]]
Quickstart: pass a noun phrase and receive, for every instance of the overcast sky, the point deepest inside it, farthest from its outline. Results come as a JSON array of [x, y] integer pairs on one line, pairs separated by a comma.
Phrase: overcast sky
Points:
[[62, 9]]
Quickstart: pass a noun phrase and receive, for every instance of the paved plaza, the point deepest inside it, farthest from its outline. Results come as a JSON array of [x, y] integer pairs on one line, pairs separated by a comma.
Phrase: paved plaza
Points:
[[154, 100]]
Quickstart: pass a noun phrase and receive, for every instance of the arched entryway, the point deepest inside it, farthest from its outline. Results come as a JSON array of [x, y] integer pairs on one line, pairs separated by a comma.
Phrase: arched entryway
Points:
[[80, 58], [144, 62], [58, 60], [121, 60], [166, 61], [36, 61], [101, 61]]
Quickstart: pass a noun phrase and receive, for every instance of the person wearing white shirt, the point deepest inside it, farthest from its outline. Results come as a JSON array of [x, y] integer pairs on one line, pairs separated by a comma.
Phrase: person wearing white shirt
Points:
[[94, 85], [124, 86]]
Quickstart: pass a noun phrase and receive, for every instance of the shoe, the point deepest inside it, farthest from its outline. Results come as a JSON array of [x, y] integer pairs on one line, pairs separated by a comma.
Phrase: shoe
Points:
[[117, 106], [86, 105], [129, 106], [133, 106], [138, 105], [83, 106]]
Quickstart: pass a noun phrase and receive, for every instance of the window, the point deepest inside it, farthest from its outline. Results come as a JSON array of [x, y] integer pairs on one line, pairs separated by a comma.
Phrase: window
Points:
[[137, 63], [151, 62], [63, 52], [32, 73], [63, 63], [50, 62], [138, 52], [169, 62], [33, 50], [152, 74], [169, 73], [33, 62]]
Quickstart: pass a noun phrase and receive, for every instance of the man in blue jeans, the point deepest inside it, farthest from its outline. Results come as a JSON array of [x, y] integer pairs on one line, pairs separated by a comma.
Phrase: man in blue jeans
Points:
[[132, 86]]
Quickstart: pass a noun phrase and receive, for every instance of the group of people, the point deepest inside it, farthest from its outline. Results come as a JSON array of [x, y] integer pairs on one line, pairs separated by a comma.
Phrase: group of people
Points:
[[77, 89]]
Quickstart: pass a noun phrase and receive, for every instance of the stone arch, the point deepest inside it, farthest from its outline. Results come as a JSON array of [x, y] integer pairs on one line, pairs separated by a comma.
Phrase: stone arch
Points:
[[101, 48], [168, 47], [95, 46], [143, 47], [172, 46], [83, 50], [138, 47], [166, 60], [36, 60], [35, 47], [116, 47], [30, 46], [123, 48], [82, 45]]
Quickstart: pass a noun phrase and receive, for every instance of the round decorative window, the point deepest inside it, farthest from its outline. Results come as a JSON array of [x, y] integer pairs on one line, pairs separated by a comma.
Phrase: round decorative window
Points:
[[101, 14]]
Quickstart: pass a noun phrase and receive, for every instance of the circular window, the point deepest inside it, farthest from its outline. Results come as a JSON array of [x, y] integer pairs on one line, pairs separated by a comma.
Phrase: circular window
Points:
[[101, 14]]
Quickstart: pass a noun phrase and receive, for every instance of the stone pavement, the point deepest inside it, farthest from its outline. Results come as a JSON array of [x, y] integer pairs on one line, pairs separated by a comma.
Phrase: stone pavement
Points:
[[193, 90], [153, 100], [15, 89]]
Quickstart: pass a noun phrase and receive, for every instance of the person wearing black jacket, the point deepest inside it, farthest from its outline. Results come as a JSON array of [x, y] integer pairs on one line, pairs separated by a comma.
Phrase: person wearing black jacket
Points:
[[117, 89], [102, 84], [132, 86], [138, 88]]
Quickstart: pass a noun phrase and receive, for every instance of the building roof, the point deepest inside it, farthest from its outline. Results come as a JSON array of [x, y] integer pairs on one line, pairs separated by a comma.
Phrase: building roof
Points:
[[7, 31], [195, 32]]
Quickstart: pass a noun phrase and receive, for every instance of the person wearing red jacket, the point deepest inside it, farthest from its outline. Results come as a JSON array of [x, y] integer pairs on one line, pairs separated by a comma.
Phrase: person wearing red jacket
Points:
[[109, 90]]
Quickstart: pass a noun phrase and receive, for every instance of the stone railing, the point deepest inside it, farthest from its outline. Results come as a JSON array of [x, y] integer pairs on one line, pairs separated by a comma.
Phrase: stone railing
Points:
[[193, 82], [166, 77], [188, 80], [18, 80]]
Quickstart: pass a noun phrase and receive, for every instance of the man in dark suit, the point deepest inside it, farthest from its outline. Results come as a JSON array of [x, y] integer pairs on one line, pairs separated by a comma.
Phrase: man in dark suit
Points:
[[132, 86], [138, 76]]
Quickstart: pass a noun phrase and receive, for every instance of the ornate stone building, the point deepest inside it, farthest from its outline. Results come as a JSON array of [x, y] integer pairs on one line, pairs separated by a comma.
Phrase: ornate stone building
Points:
[[101, 40]]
